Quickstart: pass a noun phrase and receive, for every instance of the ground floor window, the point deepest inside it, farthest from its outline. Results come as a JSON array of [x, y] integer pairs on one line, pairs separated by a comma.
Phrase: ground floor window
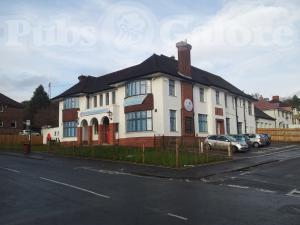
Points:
[[240, 127], [172, 120], [202, 121], [228, 125], [139, 121], [70, 129], [189, 125]]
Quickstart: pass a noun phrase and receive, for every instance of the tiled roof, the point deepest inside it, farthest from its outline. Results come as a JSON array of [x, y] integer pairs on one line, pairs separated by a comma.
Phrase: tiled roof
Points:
[[4, 100], [154, 64], [265, 105], [260, 114]]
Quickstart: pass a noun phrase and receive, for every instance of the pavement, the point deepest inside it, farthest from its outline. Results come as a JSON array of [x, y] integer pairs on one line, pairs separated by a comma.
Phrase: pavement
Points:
[[49, 190]]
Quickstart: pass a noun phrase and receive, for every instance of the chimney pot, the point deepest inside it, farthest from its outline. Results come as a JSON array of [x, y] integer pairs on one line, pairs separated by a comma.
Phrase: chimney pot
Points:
[[276, 97], [184, 58]]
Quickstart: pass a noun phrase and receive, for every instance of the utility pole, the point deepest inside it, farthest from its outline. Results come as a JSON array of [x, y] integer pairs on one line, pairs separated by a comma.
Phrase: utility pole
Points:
[[49, 90]]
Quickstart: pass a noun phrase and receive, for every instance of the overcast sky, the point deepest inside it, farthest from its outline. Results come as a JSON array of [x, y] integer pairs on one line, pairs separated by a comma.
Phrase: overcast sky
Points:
[[252, 44]]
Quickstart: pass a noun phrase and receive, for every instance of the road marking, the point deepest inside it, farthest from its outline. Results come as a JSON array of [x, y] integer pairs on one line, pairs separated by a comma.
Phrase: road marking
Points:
[[266, 190], [294, 193], [237, 186], [244, 173], [75, 187], [177, 216], [11, 170]]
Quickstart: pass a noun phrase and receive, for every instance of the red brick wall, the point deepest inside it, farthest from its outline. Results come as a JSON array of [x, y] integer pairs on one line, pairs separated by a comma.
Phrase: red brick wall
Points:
[[219, 111], [7, 116], [70, 115], [186, 92]]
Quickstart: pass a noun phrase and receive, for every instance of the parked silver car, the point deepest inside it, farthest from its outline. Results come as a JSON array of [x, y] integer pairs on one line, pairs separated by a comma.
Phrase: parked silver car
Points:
[[221, 142], [257, 140]]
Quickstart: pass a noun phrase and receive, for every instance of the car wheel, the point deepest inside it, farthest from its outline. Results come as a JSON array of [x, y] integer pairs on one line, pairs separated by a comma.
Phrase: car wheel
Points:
[[256, 145], [235, 149]]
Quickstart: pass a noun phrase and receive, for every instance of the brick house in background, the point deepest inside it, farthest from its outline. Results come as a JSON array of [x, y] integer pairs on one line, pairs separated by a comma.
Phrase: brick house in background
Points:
[[160, 97], [11, 115]]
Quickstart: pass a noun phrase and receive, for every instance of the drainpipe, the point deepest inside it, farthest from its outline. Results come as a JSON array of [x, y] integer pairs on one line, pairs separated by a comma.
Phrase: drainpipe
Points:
[[244, 105], [236, 115]]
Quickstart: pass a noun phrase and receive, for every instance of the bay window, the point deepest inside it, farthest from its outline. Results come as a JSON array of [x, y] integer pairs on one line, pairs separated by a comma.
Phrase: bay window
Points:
[[139, 121]]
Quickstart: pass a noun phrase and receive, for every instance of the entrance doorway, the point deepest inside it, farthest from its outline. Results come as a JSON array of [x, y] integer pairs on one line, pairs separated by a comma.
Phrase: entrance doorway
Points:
[[220, 127], [106, 131]]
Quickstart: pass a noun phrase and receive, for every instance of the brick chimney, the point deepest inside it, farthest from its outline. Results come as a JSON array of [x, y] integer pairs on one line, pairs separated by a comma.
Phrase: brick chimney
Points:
[[184, 58], [82, 77], [275, 98]]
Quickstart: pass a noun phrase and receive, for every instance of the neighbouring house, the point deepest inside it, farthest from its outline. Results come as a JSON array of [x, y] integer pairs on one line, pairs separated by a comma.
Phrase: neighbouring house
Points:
[[277, 110], [296, 116], [263, 120], [11, 115], [158, 98]]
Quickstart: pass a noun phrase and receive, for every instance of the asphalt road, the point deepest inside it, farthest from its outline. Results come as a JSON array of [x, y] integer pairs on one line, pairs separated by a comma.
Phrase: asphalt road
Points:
[[67, 191]]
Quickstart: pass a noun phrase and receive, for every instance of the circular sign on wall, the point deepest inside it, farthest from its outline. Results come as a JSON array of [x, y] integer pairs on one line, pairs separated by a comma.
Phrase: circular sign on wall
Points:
[[188, 104]]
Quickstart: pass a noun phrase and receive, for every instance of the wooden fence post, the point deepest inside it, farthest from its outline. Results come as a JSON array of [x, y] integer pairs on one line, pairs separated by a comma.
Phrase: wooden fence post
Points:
[[143, 153], [177, 153]]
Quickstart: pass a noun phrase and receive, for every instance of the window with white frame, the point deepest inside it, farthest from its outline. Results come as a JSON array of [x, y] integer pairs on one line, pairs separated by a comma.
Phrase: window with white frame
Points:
[[172, 120], [202, 121], [1, 108], [171, 87], [217, 97], [202, 94], [139, 121], [233, 102], [113, 97], [70, 129], [139, 87], [225, 99], [70, 103], [250, 108], [107, 98], [95, 101], [101, 100], [228, 125]]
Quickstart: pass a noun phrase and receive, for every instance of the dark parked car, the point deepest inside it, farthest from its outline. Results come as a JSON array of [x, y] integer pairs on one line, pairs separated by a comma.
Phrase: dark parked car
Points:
[[268, 138]]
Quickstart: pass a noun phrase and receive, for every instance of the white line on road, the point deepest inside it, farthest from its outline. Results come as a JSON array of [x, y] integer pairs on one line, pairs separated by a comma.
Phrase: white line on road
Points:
[[266, 190], [11, 170], [237, 186], [294, 193], [178, 217], [75, 187]]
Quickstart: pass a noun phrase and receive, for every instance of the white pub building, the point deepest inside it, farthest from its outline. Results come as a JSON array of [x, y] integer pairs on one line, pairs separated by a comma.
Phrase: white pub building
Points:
[[160, 97]]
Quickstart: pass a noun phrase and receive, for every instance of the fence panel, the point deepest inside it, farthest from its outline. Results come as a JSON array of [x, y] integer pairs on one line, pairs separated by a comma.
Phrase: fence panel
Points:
[[19, 139], [282, 134]]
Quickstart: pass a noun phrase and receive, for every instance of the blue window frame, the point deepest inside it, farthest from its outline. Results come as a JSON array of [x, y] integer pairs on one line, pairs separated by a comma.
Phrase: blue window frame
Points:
[[202, 120], [139, 121], [70, 129]]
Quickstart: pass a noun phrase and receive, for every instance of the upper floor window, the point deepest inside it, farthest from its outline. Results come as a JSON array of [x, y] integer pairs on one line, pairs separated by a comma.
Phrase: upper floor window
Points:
[[87, 102], [101, 100], [71, 103], [218, 97], [113, 97], [95, 101], [202, 94], [171, 87], [233, 102], [250, 108], [1, 108], [107, 98], [225, 99], [136, 88]]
